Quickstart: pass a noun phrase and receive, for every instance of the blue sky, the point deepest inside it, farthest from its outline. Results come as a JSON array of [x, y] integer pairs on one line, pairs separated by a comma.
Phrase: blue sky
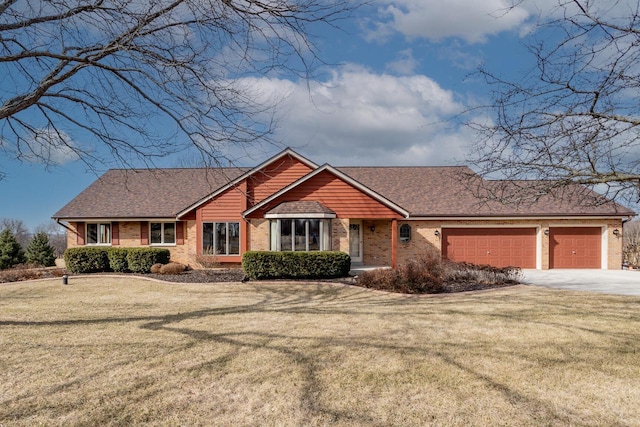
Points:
[[399, 69]]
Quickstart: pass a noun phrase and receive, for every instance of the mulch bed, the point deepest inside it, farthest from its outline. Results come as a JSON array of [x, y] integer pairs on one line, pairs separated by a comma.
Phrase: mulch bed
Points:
[[202, 276]]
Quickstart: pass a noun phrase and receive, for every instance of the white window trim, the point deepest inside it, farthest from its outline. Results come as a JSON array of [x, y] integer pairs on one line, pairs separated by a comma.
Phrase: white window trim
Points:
[[227, 237], [162, 223], [324, 228], [86, 233]]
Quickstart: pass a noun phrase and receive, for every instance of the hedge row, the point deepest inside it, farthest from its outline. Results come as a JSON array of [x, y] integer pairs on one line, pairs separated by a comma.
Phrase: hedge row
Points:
[[260, 265], [98, 259]]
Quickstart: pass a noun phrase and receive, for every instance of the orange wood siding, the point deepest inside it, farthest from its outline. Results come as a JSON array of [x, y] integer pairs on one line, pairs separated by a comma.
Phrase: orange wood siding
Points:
[[274, 177], [227, 206], [334, 193]]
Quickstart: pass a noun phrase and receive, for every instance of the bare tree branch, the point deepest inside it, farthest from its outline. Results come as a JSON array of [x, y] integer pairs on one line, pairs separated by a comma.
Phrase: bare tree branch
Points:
[[129, 81], [575, 118]]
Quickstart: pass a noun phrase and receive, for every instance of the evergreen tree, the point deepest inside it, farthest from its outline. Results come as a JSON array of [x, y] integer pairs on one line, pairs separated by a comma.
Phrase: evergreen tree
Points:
[[11, 252], [40, 251]]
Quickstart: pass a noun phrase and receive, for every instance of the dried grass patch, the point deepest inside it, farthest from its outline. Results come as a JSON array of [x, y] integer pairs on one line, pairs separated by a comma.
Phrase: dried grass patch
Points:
[[123, 351]]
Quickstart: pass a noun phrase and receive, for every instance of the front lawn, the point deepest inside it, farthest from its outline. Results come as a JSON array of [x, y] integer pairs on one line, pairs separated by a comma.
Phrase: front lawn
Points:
[[123, 351]]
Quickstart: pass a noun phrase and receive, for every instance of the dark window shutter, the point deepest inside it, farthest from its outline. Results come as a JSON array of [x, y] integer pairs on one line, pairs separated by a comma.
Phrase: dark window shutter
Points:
[[115, 233], [144, 232], [180, 233], [80, 232]]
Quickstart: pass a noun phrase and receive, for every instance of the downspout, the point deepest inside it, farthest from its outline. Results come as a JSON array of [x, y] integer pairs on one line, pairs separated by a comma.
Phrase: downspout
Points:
[[57, 220]]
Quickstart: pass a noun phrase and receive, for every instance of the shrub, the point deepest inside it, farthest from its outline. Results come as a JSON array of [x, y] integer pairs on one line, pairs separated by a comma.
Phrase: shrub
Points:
[[39, 251], [118, 260], [11, 252], [99, 259], [172, 268], [482, 274], [417, 276], [207, 261], [141, 259], [25, 272], [430, 274], [260, 265], [86, 259]]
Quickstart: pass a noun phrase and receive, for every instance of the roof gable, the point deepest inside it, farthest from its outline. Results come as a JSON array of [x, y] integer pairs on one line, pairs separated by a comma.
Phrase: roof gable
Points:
[[304, 188], [258, 170]]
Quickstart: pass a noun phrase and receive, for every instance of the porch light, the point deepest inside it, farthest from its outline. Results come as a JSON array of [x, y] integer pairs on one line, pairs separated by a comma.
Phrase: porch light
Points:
[[373, 228], [616, 232], [437, 233], [546, 232]]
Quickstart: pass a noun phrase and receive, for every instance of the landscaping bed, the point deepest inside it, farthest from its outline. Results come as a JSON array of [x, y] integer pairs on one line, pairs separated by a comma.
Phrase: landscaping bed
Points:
[[218, 275], [432, 275], [387, 280]]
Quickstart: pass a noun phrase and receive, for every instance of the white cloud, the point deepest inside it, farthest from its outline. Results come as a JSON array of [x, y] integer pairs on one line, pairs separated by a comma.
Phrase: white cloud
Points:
[[49, 146], [474, 20], [405, 64], [361, 118], [471, 20]]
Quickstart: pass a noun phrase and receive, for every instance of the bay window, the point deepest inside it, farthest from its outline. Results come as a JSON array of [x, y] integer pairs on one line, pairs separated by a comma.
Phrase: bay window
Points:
[[300, 234]]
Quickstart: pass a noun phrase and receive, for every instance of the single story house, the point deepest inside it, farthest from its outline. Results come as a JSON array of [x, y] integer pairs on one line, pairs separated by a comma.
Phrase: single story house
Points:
[[381, 216]]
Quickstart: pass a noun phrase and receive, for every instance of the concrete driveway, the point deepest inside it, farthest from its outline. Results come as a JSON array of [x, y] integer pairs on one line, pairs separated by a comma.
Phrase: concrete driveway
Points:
[[621, 282]]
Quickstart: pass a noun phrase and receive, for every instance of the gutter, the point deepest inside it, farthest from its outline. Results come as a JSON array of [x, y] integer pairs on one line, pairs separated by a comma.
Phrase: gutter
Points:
[[57, 220]]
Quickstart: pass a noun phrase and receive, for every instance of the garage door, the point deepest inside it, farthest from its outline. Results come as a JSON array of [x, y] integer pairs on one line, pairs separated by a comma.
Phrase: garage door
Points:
[[500, 247], [575, 247]]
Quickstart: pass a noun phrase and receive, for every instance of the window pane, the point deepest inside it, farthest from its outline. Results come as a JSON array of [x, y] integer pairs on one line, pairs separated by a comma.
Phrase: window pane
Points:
[[326, 235], [105, 233], [207, 239], [314, 234], [156, 233], [301, 235], [273, 244], [221, 238], [234, 238], [92, 233], [169, 233], [285, 235], [405, 233]]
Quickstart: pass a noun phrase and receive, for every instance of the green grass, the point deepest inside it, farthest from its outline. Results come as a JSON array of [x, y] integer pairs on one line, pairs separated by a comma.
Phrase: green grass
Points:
[[123, 351]]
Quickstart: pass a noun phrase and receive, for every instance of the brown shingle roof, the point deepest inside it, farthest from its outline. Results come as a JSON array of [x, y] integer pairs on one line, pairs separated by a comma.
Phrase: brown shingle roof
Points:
[[422, 191], [452, 191], [146, 193]]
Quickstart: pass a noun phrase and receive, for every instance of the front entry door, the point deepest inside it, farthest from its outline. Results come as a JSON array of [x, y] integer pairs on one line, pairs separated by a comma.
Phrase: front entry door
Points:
[[355, 241]]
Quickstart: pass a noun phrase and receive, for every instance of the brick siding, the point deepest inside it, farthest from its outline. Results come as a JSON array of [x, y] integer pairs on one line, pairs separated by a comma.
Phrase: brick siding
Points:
[[376, 244]]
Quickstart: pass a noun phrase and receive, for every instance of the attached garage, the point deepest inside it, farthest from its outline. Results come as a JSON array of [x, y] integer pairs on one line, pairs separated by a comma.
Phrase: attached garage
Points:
[[500, 247], [575, 247]]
